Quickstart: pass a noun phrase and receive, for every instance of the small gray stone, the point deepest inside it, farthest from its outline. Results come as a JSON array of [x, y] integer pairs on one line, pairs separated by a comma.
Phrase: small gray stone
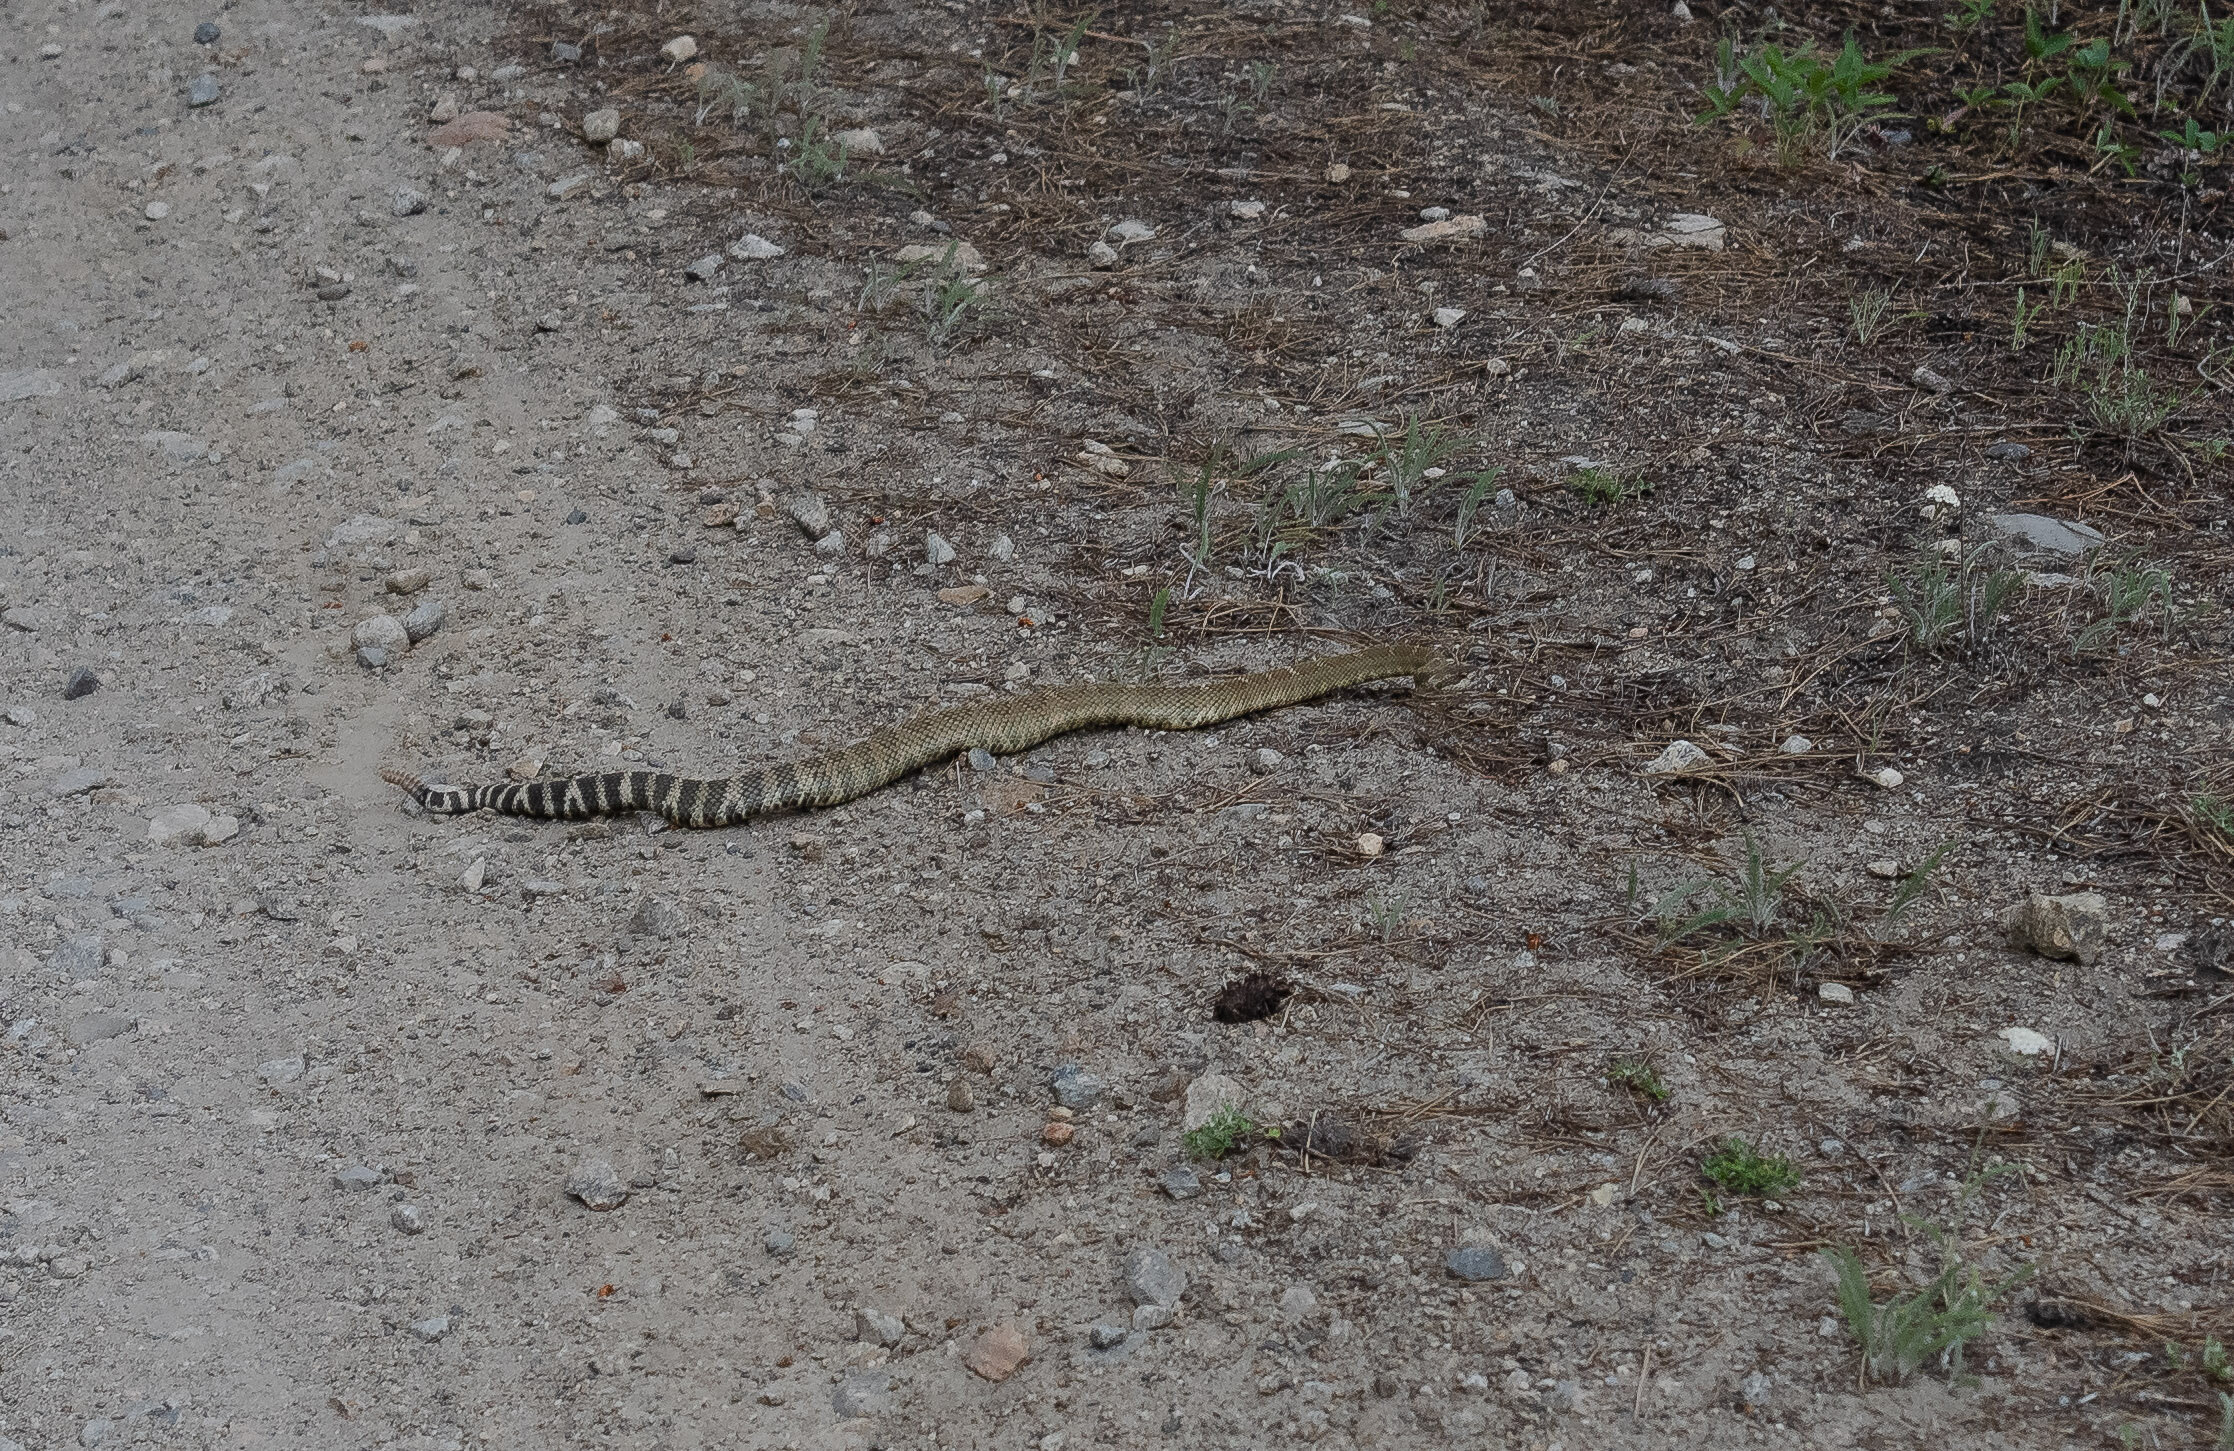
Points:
[[862, 1393], [1266, 761], [658, 917], [937, 550], [1150, 1317], [203, 90], [82, 682], [431, 1329], [704, 268], [796, 1091], [95, 1027], [778, 1242], [598, 1185], [599, 127], [1180, 1182], [80, 956], [877, 1327], [1475, 1263], [206, 33], [408, 1219], [68, 1267], [407, 202], [358, 1178], [810, 511], [181, 823], [77, 782], [425, 618], [282, 1070], [983, 760], [372, 657], [1151, 1278], [94, 1432], [2069, 927], [2051, 536], [1075, 1088], [2008, 453], [380, 632], [1103, 1334], [1298, 1303], [831, 545]]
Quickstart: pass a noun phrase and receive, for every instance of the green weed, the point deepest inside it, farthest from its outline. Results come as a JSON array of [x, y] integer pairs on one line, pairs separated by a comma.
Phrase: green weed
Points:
[[1406, 461], [1638, 1077], [1804, 97], [1470, 503], [1950, 604], [1604, 488], [816, 161], [1227, 1129], [1868, 308], [1739, 1169], [1899, 1336], [2129, 590]]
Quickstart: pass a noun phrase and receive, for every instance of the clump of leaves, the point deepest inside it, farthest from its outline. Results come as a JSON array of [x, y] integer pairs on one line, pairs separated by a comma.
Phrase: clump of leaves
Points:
[[1739, 1168], [1899, 1336], [1603, 488], [1226, 1130], [1636, 1075], [1804, 97], [1954, 604]]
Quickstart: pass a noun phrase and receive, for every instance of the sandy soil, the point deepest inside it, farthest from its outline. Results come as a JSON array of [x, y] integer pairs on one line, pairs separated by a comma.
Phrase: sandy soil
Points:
[[304, 1097]]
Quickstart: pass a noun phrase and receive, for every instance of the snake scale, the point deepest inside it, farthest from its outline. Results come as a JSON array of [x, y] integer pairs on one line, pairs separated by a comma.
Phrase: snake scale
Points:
[[1001, 726]]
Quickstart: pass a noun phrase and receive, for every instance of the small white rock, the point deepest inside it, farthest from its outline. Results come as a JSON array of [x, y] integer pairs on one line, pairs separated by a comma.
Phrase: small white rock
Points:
[[1679, 756], [1834, 992], [220, 830], [1246, 211], [1884, 776], [2027, 1042], [752, 247], [1449, 316], [680, 49], [156, 211], [599, 127], [1796, 746], [183, 822], [937, 550], [860, 141], [474, 875], [1884, 867], [1371, 844]]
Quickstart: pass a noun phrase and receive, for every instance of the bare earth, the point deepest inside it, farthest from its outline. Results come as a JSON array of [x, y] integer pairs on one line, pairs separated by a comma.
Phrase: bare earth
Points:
[[304, 1097]]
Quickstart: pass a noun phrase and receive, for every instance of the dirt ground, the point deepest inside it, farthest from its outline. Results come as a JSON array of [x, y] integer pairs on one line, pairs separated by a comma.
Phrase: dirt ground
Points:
[[328, 1123]]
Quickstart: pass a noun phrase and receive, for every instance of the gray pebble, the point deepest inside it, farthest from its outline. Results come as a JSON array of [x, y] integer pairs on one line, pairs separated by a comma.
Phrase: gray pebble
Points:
[[657, 917], [778, 1242], [82, 682], [810, 511], [282, 1070], [565, 52], [408, 1219], [704, 268], [425, 618], [372, 657], [1475, 1263], [684, 555], [982, 760], [431, 1329], [876, 1327], [937, 550], [333, 292], [1103, 1334], [862, 1393], [98, 1027], [599, 127], [203, 90], [1075, 1088], [1267, 760], [1181, 1182], [206, 33], [77, 782], [380, 632], [796, 1091], [2008, 453], [358, 1178], [94, 1432], [80, 956], [597, 1184], [1152, 1279], [407, 202], [576, 516]]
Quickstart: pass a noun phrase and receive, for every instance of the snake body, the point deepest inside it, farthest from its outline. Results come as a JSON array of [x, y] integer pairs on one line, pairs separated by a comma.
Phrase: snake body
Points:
[[1001, 726]]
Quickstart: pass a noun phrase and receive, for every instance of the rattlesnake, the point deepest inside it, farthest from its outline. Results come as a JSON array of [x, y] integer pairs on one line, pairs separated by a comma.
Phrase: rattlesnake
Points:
[[1001, 726]]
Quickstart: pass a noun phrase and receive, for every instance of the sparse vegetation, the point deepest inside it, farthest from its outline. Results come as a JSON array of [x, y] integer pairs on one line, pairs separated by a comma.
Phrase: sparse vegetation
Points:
[[1740, 1169], [1226, 1130], [1954, 604], [1638, 1077]]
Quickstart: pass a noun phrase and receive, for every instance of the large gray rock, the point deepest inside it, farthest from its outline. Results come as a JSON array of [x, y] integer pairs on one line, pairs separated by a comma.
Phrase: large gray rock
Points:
[[2067, 928], [1152, 1279], [2050, 536]]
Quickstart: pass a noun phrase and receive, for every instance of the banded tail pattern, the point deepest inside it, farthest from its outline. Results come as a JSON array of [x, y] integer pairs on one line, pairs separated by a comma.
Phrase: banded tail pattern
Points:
[[1001, 726]]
